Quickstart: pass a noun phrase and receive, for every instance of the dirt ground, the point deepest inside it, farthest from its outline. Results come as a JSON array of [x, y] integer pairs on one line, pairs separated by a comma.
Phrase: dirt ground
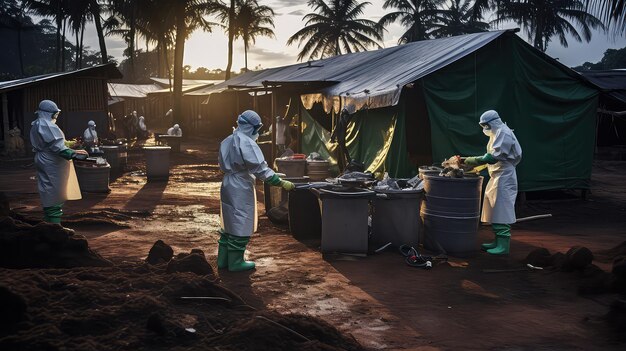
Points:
[[378, 299]]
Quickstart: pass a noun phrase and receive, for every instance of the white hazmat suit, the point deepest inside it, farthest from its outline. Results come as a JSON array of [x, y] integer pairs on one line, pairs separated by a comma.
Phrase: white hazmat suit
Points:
[[175, 131], [242, 161], [90, 136], [53, 161], [503, 154]]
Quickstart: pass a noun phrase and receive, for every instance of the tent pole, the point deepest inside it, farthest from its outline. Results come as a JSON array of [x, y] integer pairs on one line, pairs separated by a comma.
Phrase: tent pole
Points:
[[299, 134], [273, 119]]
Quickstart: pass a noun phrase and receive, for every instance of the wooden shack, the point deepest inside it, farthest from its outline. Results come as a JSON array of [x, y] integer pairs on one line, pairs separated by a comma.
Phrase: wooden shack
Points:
[[81, 95]]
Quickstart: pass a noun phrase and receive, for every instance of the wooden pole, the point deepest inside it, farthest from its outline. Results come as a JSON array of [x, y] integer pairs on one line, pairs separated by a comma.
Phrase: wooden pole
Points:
[[273, 118]]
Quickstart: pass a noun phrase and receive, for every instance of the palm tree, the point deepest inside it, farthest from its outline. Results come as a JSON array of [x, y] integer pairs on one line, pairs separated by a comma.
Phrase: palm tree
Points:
[[252, 20], [458, 20], [188, 16], [418, 16], [544, 19], [56, 9], [611, 11], [335, 28], [96, 9], [13, 17], [227, 14]]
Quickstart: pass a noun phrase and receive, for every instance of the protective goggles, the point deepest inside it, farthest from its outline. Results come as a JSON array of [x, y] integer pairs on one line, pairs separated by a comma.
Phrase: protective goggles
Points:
[[256, 128]]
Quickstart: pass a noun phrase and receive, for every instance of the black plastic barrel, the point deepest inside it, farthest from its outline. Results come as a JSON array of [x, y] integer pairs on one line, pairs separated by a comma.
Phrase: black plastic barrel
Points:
[[396, 217], [451, 214], [305, 218], [345, 215]]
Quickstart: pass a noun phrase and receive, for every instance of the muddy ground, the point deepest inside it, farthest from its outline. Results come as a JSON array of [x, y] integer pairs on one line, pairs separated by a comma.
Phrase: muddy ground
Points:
[[379, 300]]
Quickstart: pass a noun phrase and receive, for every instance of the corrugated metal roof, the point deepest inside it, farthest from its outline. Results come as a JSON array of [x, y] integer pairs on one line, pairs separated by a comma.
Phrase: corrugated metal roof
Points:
[[132, 90], [186, 89], [370, 78], [109, 69]]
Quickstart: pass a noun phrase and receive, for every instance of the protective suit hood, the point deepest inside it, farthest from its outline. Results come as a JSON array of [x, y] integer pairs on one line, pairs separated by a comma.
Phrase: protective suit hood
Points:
[[249, 124], [44, 131]]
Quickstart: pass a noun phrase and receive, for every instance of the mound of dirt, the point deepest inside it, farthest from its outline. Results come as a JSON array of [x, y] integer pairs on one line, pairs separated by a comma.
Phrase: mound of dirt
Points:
[[612, 254], [160, 253], [44, 245], [139, 307], [13, 308], [193, 262]]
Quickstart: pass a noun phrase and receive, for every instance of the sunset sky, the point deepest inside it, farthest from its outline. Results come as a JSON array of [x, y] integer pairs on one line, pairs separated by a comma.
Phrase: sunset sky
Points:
[[209, 49]]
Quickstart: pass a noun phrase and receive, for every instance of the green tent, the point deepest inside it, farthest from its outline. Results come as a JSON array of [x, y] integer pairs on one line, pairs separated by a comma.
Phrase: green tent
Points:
[[551, 109]]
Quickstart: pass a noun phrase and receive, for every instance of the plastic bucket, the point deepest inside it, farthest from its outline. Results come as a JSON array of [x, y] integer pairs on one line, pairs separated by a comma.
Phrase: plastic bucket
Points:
[[318, 170], [292, 168], [426, 170], [451, 214], [115, 155], [157, 162], [93, 178], [172, 141]]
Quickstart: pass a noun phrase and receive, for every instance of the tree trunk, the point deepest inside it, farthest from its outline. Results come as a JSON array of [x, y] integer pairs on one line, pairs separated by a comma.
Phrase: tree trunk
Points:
[[63, 48], [231, 36], [20, 50], [77, 48], [179, 52], [159, 53], [59, 50], [82, 44], [131, 46], [95, 11], [245, 54], [57, 61]]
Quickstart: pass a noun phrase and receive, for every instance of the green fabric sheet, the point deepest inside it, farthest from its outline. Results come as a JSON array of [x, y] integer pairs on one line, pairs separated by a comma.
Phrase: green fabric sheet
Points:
[[375, 137], [551, 112]]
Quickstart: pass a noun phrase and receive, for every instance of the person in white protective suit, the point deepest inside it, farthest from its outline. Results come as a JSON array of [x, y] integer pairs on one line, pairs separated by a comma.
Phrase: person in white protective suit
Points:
[[55, 178], [175, 131], [241, 160], [142, 132], [503, 154], [90, 136]]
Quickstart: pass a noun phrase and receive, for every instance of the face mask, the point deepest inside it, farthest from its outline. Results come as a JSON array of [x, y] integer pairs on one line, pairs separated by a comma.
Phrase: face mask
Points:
[[54, 120], [255, 136], [487, 132]]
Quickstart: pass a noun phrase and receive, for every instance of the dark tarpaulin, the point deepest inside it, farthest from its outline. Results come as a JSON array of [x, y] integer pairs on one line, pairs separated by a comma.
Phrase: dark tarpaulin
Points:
[[375, 137], [550, 110]]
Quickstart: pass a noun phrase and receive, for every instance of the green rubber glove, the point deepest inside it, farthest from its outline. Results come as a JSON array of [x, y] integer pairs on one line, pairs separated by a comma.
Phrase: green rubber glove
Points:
[[67, 154], [274, 180], [472, 161], [480, 160], [287, 185]]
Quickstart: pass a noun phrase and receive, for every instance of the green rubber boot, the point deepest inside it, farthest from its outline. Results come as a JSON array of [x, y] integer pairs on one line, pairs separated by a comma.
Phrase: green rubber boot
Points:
[[491, 245], [236, 248], [503, 239], [53, 214], [222, 250]]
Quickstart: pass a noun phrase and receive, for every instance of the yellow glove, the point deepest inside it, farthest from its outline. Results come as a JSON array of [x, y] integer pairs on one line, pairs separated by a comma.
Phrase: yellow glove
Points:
[[287, 185]]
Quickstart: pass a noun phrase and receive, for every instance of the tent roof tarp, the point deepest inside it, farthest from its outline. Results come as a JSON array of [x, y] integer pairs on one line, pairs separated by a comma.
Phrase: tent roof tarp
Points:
[[370, 78], [132, 90], [611, 81], [107, 70], [166, 81]]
